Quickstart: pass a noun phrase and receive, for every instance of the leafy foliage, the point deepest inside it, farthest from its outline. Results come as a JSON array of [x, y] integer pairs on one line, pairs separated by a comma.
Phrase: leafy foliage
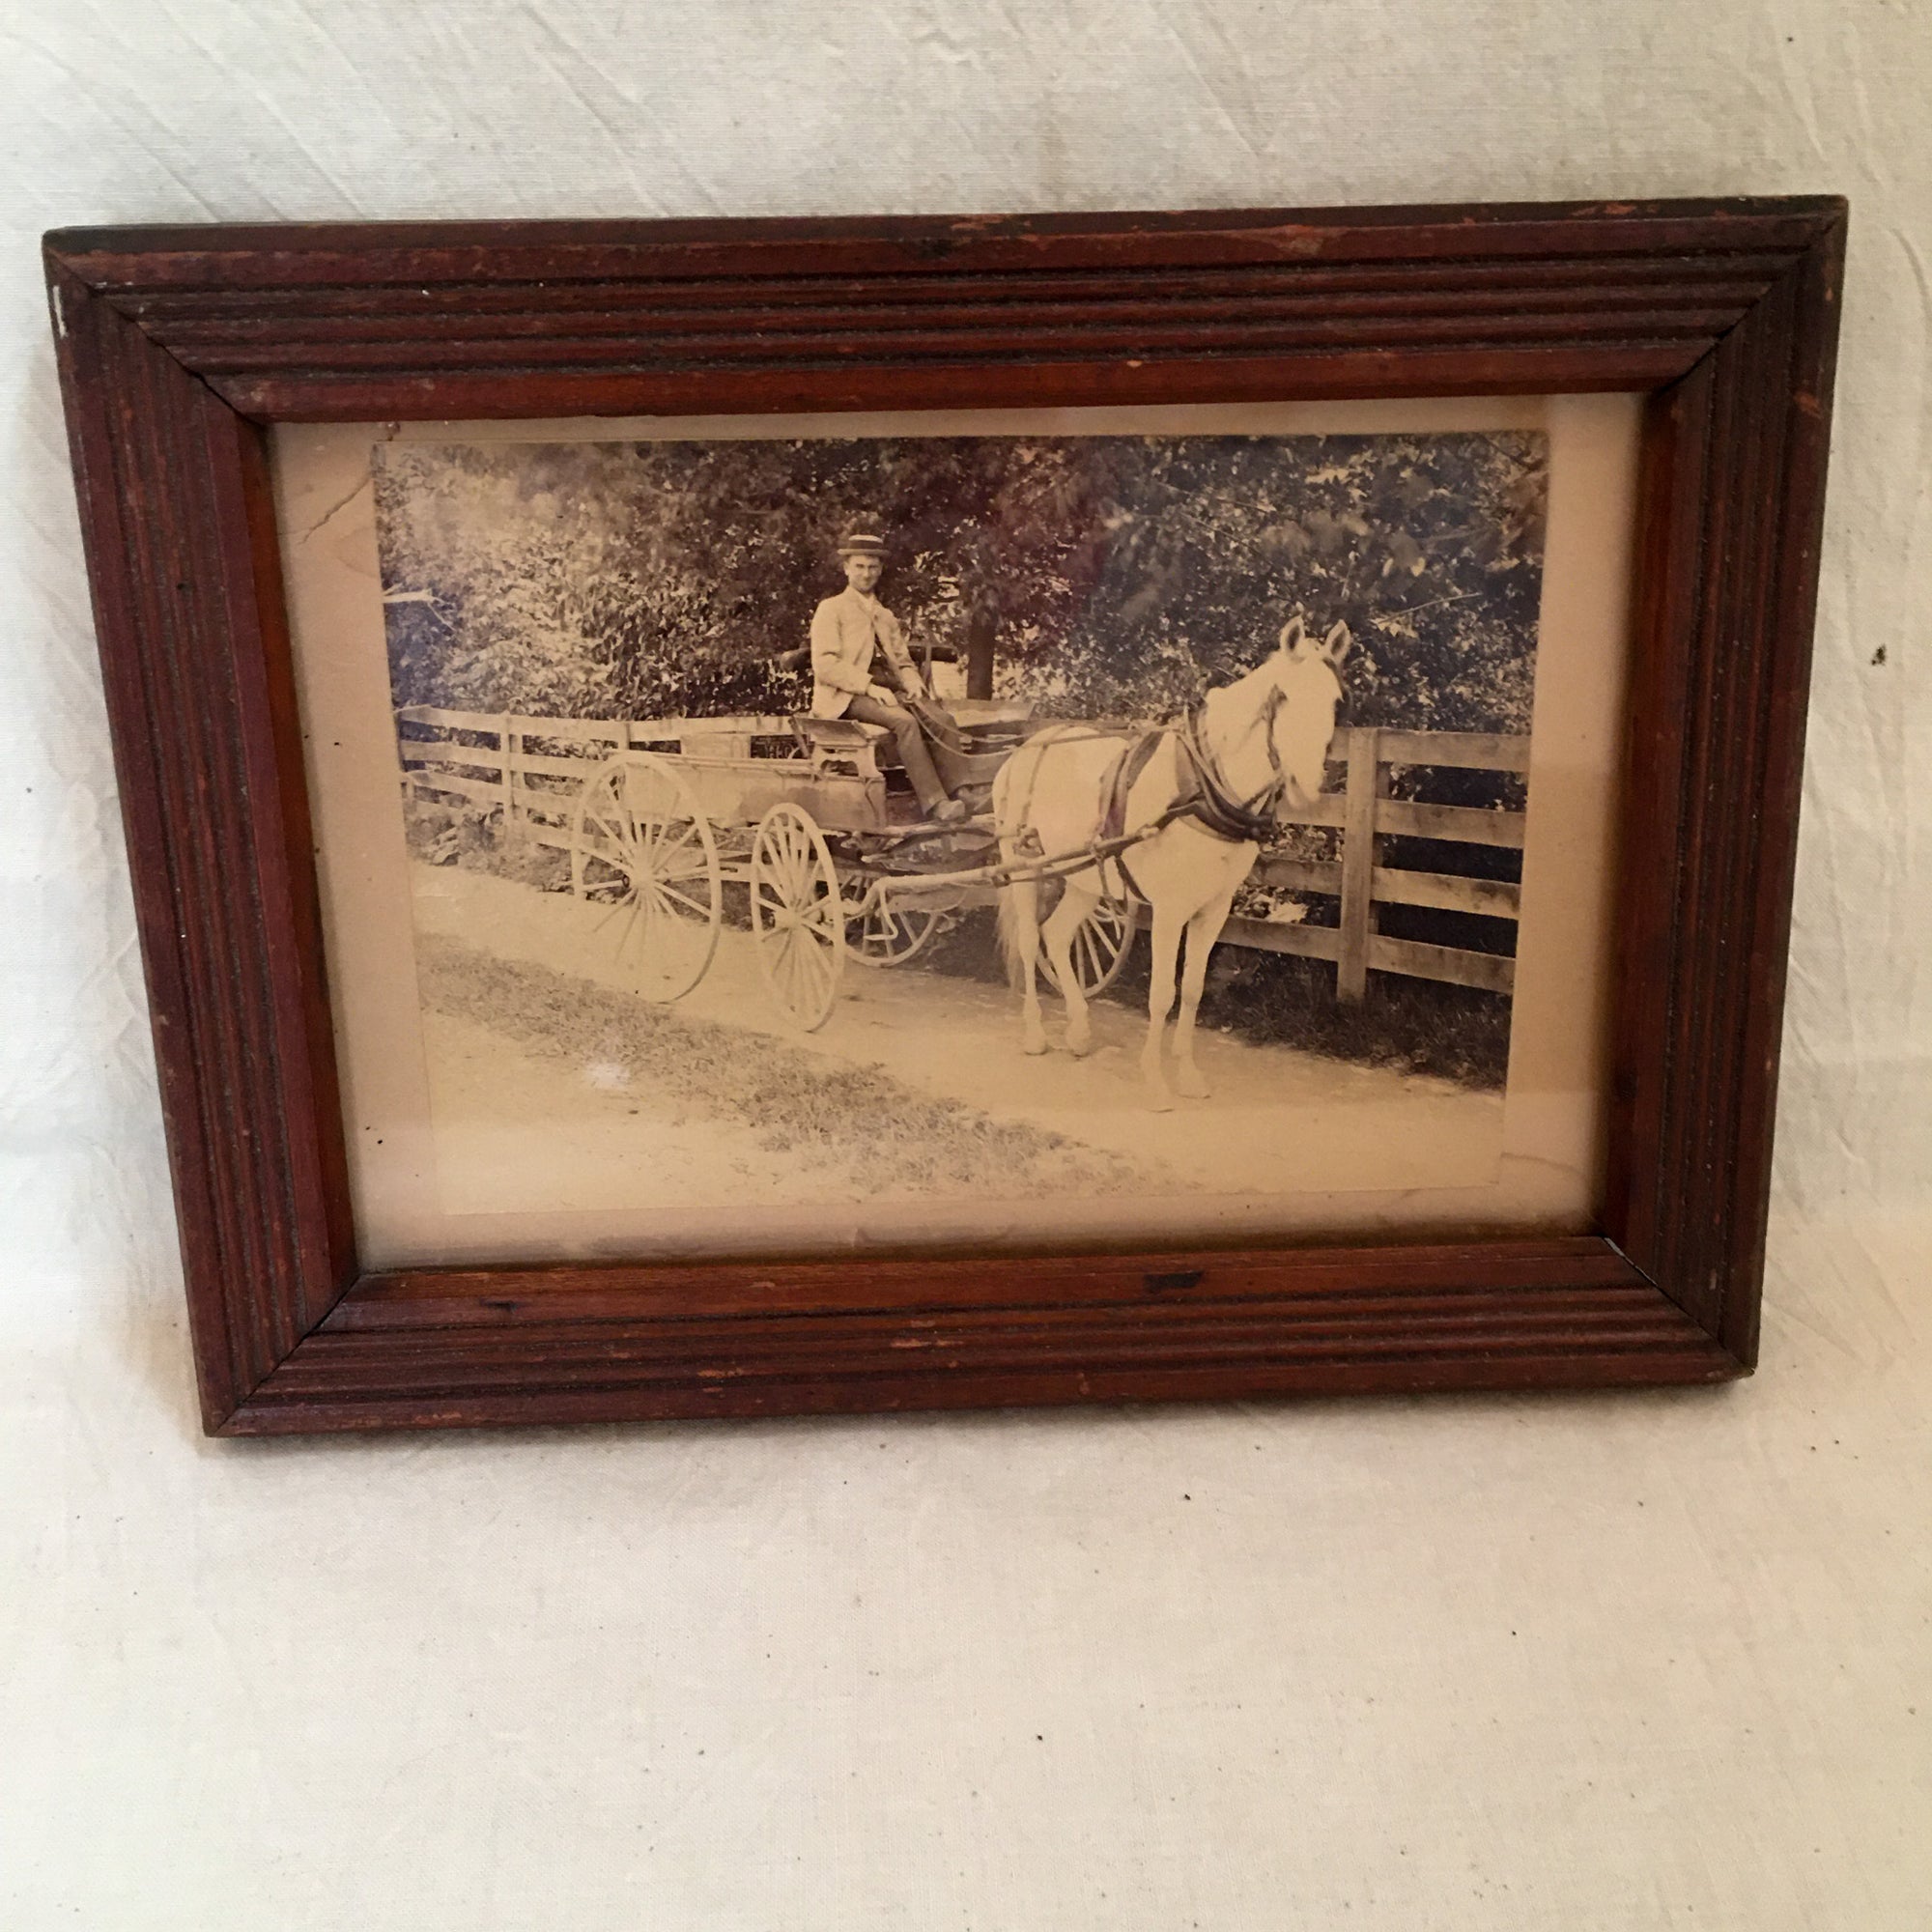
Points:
[[1121, 575]]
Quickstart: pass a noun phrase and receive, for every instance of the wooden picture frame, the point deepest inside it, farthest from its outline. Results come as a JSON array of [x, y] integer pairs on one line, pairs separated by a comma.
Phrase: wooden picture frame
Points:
[[179, 347]]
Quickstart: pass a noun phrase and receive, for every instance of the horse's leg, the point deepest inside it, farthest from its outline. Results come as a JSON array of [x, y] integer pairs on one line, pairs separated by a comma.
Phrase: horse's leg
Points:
[[1164, 949], [1062, 924], [1022, 905], [1202, 931]]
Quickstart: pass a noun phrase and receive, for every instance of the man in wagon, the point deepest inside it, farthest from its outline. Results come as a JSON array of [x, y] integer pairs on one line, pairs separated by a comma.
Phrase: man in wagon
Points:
[[849, 632]]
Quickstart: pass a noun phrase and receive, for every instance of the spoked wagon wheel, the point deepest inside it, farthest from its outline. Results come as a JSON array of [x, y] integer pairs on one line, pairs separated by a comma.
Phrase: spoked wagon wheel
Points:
[[889, 935], [797, 915], [640, 845], [1100, 944]]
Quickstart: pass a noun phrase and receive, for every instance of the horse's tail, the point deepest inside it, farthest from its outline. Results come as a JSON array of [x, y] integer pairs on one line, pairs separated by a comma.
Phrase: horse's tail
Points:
[[1006, 809]]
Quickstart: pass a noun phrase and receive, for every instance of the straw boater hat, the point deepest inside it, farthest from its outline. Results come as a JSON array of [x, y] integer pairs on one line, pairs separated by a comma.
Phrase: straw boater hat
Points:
[[862, 541]]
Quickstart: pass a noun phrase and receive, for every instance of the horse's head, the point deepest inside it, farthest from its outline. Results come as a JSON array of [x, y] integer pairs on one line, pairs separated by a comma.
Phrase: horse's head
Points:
[[1308, 681]]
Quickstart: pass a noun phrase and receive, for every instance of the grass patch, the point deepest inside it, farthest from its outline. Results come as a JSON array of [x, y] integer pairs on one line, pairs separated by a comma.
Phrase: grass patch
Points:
[[797, 1103], [441, 835], [1412, 1025]]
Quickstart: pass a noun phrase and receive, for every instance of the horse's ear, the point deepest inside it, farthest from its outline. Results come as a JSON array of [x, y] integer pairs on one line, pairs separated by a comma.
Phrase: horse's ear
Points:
[[1294, 638], [1335, 645]]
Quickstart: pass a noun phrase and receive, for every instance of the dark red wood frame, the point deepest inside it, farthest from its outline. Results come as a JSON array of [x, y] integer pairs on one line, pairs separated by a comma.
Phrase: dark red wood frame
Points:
[[178, 346]]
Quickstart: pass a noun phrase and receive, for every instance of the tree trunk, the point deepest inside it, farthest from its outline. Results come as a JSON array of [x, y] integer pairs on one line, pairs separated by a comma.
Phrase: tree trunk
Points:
[[981, 626]]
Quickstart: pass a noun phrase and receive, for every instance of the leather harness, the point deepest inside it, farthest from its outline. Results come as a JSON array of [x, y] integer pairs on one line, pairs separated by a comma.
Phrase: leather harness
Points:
[[1204, 798]]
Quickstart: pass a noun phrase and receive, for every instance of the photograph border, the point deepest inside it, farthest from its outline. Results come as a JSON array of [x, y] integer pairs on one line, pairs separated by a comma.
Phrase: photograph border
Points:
[[181, 348]]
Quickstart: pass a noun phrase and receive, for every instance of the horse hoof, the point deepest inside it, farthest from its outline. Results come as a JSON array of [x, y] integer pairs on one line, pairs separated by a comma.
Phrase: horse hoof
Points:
[[1190, 1084], [1080, 1047], [1035, 1047]]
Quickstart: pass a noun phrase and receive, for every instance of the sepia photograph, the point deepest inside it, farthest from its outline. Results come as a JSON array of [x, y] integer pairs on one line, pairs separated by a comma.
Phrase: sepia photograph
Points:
[[828, 820]]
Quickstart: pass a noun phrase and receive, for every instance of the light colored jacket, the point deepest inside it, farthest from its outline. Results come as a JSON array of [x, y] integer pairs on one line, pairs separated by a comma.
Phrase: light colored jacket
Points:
[[845, 630]]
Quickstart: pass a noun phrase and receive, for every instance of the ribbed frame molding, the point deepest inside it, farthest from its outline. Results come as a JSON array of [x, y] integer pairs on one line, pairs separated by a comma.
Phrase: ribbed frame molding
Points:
[[179, 347]]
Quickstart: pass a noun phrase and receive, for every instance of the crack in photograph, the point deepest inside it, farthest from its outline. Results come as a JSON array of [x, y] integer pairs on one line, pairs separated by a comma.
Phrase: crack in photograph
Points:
[[812, 820]]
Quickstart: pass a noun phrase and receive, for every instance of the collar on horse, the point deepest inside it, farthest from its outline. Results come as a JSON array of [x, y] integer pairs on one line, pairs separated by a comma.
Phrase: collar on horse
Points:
[[1247, 820], [1204, 797]]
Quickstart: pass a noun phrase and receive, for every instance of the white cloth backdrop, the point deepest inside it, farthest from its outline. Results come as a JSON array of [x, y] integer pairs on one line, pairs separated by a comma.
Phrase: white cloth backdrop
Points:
[[1589, 1663]]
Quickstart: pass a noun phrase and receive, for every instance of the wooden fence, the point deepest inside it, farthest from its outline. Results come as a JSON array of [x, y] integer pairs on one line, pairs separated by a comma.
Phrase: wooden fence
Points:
[[1363, 812], [533, 789], [497, 762]]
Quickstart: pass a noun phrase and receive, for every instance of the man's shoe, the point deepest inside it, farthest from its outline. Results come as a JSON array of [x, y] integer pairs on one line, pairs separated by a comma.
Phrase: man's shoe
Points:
[[951, 812]]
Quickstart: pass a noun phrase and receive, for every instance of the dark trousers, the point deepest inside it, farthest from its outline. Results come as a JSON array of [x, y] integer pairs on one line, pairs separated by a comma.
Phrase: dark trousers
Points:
[[911, 743]]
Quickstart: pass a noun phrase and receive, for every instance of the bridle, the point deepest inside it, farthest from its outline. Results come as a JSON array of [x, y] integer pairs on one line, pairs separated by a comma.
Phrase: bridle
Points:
[[1204, 796], [1223, 811]]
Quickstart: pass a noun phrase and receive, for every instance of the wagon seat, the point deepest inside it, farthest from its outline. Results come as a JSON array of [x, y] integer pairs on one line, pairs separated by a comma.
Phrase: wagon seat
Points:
[[968, 756]]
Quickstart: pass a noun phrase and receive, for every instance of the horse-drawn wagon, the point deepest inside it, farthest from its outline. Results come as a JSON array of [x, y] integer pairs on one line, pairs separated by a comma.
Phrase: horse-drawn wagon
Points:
[[835, 857]]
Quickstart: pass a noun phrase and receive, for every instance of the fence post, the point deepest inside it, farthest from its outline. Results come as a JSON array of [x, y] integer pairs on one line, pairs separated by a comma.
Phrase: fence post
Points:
[[506, 743], [1358, 865]]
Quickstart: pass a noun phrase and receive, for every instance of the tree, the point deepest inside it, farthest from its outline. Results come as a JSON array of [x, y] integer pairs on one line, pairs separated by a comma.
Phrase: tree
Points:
[[1104, 575]]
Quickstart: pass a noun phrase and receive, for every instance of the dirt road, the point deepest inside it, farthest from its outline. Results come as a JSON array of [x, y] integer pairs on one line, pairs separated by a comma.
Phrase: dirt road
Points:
[[1279, 1122]]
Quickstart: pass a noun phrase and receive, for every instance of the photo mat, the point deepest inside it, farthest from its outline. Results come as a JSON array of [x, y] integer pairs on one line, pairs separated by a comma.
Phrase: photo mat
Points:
[[563, 611]]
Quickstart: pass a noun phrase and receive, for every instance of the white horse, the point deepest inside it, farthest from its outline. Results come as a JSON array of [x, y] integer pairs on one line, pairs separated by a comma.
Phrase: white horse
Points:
[[1208, 786]]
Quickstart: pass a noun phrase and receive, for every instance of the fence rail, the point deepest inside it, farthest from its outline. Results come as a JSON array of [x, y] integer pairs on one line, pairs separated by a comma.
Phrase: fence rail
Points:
[[1366, 814], [535, 792]]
